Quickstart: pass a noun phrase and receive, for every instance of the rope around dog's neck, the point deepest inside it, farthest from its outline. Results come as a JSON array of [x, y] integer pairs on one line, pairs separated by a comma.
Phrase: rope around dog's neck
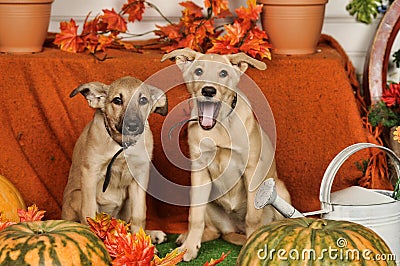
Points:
[[108, 172]]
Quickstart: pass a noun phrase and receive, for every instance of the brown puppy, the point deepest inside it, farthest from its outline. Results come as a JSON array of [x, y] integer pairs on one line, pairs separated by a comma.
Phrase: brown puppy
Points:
[[114, 125], [230, 152]]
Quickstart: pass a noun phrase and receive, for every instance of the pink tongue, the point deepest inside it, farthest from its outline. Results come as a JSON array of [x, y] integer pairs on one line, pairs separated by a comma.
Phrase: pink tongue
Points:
[[208, 115]]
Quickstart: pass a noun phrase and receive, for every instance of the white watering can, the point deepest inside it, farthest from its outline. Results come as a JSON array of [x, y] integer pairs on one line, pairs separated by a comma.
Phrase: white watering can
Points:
[[375, 209]]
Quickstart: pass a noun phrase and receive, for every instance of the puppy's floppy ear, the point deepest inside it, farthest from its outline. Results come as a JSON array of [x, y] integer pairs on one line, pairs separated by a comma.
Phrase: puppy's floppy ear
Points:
[[160, 102], [242, 60], [94, 92], [181, 56]]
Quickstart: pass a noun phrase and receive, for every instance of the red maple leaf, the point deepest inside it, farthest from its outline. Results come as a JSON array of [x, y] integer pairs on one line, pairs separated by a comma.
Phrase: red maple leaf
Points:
[[114, 21], [30, 215], [391, 96], [68, 39], [135, 10]]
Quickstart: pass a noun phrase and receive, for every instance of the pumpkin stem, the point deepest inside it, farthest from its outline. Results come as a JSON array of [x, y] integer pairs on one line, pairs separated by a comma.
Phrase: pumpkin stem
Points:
[[317, 224]]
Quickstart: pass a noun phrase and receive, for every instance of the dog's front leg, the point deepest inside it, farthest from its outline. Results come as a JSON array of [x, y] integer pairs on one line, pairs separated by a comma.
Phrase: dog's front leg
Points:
[[255, 173], [137, 197], [137, 203], [88, 189], [199, 195], [254, 218]]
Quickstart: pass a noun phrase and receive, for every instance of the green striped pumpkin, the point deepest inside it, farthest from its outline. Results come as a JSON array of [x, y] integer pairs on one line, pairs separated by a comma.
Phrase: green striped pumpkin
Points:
[[308, 241], [52, 242]]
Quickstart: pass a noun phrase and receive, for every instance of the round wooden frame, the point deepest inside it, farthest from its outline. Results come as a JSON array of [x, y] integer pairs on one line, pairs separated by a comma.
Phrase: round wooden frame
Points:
[[377, 60]]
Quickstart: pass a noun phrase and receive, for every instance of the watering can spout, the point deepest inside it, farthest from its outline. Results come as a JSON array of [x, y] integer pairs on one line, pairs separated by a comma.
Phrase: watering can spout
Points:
[[267, 195]]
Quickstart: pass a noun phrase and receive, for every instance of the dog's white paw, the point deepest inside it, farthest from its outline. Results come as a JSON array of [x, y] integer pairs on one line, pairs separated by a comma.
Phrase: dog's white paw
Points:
[[157, 236], [190, 252], [181, 238]]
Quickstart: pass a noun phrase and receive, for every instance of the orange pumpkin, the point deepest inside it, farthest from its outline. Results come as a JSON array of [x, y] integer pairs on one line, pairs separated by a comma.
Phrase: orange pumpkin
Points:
[[10, 200], [52, 242]]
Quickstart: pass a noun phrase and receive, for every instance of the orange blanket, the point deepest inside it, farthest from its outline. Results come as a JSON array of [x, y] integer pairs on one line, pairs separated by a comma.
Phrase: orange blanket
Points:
[[311, 96]]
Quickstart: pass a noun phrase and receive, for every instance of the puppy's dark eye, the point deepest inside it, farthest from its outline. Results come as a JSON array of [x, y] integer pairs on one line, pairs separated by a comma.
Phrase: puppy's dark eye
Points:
[[198, 71], [143, 100], [223, 73], [117, 101]]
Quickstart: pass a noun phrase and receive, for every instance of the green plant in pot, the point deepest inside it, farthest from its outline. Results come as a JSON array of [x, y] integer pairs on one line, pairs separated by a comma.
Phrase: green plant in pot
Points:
[[366, 11]]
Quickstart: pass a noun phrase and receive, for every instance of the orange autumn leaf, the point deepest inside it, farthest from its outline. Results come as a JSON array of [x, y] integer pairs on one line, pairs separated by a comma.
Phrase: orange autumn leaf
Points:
[[171, 31], [114, 21], [91, 38], [116, 238], [220, 8], [133, 249], [222, 47], [30, 215], [68, 39], [100, 224], [134, 9], [217, 261], [234, 33], [171, 259], [256, 48], [93, 26], [251, 12], [191, 9], [228, 43], [256, 44], [189, 41], [126, 248], [104, 42], [4, 224]]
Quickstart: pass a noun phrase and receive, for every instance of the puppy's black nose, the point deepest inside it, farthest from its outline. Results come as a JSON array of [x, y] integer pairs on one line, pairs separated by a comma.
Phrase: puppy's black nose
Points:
[[134, 126], [208, 91]]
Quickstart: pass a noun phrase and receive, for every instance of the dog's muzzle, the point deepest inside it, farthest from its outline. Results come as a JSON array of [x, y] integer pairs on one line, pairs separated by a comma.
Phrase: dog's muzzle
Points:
[[208, 108], [132, 127]]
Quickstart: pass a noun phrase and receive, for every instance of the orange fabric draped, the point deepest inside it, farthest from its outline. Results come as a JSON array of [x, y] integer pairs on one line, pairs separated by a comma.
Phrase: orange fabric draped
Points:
[[312, 99]]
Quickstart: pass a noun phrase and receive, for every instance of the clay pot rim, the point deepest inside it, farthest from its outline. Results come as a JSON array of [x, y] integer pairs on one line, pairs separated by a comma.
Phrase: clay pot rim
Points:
[[291, 2], [26, 1]]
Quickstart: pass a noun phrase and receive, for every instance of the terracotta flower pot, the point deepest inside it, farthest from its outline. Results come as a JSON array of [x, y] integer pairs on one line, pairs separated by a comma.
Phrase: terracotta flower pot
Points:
[[293, 26], [23, 25]]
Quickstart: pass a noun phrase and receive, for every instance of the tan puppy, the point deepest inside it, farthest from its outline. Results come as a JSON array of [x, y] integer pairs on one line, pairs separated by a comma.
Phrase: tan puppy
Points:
[[114, 125], [229, 150]]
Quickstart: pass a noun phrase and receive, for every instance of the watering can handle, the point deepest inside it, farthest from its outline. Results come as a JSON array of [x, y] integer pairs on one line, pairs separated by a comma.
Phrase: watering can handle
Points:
[[336, 163]]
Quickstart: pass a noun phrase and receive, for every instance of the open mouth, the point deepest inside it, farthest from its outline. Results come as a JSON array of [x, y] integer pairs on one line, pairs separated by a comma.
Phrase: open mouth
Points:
[[208, 112]]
